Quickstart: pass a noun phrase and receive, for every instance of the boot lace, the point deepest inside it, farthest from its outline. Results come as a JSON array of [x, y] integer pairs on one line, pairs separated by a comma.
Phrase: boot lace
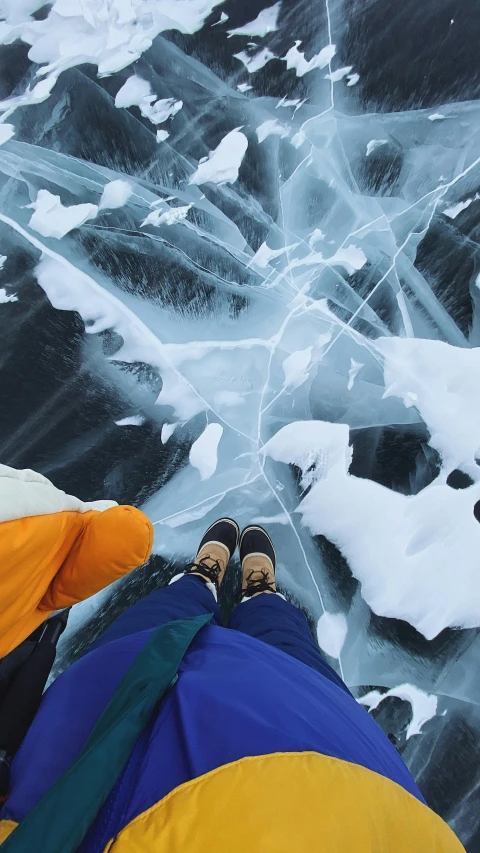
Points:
[[211, 572], [263, 584]]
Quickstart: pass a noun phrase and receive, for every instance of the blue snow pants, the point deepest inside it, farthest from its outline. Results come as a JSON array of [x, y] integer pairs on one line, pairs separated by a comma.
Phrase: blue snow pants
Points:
[[268, 618]]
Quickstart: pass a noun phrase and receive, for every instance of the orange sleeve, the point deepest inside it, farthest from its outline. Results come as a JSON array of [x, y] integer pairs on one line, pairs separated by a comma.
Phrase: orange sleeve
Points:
[[112, 543]]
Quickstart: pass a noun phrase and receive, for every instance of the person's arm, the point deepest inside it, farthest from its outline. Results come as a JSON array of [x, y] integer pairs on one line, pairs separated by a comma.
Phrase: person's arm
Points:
[[112, 543]]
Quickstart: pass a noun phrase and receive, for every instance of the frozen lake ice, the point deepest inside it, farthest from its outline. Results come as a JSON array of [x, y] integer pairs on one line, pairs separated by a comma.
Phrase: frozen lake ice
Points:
[[239, 275]]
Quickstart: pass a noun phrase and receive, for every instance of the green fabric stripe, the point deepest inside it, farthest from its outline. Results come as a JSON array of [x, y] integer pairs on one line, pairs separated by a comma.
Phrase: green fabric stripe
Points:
[[61, 819]]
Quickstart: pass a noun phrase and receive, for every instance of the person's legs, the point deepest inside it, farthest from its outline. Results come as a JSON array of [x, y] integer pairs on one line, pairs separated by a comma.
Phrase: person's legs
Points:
[[279, 623], [192, 593], [265, 614], [186, 597]]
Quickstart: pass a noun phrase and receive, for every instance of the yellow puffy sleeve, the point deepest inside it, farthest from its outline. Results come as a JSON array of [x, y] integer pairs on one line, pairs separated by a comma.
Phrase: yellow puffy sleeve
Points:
[[112, 543]]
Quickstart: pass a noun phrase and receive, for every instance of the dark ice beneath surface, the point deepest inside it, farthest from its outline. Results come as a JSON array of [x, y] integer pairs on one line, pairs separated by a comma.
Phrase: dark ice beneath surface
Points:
[[321, 265]]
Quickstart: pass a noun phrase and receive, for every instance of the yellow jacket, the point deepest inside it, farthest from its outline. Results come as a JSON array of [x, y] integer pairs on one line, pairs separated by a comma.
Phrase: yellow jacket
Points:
[[56, 550]]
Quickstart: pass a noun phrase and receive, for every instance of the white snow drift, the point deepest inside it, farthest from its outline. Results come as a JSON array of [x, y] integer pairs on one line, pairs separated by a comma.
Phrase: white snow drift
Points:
[[416, 557]]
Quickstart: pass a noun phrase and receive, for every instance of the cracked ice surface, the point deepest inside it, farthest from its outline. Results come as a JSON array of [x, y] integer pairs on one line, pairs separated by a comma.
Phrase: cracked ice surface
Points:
[[269, 316]]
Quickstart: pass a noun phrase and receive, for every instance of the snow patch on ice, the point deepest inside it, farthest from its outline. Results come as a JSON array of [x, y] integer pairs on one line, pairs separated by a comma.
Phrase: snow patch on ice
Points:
[[254, 62], [339, 74], [289, 102], [443, 382], [52, 219], [161, 110], [4, 297], [407, 569], [224, 162], [272, 127], [351, 258], [265, 22], [115, 194], [162, 135], [355, 368], [315, 237], [436, 117], [295, 367], [453, 211], [374, 144], [295, 59], [137, 92], [109, 35], [332, 631], [424, 705], [221, 20], [69, 289], [203, 452], [298, 138], [171, 216], [244, 87], [6, 132], [265, 254], [131, 420], [167, 431], [353, 79], [228, 398], [36, 95], [313, 446]]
